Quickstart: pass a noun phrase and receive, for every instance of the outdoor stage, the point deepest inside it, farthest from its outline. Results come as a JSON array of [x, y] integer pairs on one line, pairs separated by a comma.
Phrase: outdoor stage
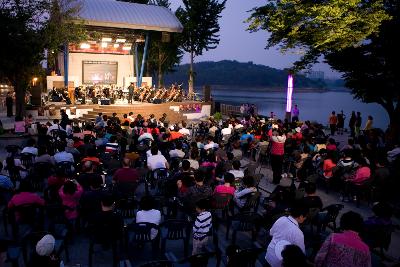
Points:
[[176, 111]]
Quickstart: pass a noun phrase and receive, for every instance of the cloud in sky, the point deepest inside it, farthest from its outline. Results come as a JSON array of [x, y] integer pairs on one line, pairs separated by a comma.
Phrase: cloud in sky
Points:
[[238, 44]]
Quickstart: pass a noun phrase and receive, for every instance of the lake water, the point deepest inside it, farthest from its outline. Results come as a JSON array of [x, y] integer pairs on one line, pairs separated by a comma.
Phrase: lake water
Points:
[[312, 106]]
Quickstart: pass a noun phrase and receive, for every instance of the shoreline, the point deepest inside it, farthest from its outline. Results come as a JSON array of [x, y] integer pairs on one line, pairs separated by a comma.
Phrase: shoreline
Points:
[[271, 89]]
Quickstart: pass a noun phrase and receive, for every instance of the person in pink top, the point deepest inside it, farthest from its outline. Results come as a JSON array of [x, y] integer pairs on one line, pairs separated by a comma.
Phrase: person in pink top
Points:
[[331, 146], [19, 125], [363, 174], [70, 193], [226, 188], [25, 197], [345, 249]]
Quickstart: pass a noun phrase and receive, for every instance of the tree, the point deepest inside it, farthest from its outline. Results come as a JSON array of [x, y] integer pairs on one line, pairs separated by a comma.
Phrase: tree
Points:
[[163, 56], [371, 69], [200, 28], [319, 27], [27, 30]]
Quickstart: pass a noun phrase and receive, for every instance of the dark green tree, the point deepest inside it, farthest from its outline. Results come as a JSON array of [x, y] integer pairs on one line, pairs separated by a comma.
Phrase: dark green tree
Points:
[[371, 69], [28, 30], [315, 28], [163, 54], [201, 28]]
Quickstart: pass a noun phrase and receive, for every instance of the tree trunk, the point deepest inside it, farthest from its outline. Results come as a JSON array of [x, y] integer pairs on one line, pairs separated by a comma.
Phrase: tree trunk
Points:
[[393, 132], [19, 98], [191, 79], [160, 72]]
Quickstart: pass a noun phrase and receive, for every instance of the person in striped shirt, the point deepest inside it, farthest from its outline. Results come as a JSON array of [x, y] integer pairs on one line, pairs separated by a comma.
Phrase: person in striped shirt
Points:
[[202, 227]]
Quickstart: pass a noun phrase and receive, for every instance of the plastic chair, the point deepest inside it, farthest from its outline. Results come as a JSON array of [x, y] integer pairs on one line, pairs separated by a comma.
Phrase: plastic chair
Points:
[[330, 218], [31, 215], [176, 230], [13, 250], [252, 202], [247, 257], [245, 222], [127, 209], [67, 167], [140, 233], [27, 160], [160, 263], [198, 260]]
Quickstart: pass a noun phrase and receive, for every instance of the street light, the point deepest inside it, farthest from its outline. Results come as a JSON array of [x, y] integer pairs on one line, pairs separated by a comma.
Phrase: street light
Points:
[[34, 80]]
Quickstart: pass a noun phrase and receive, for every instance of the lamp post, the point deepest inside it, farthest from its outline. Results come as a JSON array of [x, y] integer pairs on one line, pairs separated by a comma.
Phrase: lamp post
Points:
[[289, 98]]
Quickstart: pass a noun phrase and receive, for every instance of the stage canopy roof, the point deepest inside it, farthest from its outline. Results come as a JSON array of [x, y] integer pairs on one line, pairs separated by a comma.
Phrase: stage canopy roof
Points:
[[125, 15]]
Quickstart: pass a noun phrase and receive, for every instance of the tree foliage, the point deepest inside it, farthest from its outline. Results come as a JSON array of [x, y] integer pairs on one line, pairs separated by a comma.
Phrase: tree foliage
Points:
[[163, 56], [371, 69], [28, 28], [317, 27], [201, 28], [200, 22]]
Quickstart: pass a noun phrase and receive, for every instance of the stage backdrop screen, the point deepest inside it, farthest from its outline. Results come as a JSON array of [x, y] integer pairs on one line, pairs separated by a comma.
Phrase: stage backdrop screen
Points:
[[100, 72]]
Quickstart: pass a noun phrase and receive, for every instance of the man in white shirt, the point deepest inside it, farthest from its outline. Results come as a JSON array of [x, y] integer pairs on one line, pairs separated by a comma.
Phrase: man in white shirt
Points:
[[210, 144], [183, 130], [286, 228], [156, 161], [61, 155], [55, 126], [30, 147], [177, 152], [236, 170], [226, 130]]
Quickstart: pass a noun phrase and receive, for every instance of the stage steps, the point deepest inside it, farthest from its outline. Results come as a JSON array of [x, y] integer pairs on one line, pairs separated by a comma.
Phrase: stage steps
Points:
[[144, 109]]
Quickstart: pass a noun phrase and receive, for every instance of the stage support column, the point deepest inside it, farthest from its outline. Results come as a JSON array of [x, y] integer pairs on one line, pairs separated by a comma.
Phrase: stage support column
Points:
[[137, 65], [66, 58], [146, 47]]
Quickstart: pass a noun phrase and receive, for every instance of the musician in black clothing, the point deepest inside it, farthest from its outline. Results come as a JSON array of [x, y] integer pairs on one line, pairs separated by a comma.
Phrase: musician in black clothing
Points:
[[9, 104], [131, 88]]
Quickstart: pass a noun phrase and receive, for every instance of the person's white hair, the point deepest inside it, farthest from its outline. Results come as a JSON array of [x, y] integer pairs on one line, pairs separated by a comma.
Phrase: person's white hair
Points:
[[45, 246]]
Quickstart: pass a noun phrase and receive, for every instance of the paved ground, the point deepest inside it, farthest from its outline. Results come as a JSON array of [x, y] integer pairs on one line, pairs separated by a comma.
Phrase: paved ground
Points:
[[79, 245]]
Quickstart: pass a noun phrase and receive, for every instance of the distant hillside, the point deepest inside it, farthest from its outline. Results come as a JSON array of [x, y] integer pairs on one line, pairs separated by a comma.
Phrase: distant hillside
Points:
[[234, 73]]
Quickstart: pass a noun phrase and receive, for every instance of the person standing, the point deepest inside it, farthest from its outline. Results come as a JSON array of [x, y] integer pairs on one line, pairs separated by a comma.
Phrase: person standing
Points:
[[352, 123], [295, 114], [130, 93], [277, 151], [333, 120], [358, 124], [369, 124], [9, 104], [340, 124]]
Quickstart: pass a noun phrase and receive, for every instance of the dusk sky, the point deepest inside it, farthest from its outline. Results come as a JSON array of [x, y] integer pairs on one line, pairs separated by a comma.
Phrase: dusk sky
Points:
[[238, 44]]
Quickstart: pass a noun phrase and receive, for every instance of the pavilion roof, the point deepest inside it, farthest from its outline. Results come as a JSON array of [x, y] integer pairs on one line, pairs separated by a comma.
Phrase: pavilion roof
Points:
[[125, 15]]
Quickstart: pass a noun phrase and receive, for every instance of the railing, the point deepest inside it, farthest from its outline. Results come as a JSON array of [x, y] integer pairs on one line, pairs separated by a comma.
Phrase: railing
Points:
[[228, 110]]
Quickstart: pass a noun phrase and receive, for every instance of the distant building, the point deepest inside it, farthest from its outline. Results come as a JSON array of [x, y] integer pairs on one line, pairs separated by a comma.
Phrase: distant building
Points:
[[315, 75]]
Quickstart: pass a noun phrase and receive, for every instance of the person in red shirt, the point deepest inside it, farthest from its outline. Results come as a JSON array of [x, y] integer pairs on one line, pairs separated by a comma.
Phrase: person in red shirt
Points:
[[126, 174], [91, 156]]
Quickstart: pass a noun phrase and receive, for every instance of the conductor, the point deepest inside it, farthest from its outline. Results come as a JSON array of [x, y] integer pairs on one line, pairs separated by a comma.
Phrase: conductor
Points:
[[131, 88]]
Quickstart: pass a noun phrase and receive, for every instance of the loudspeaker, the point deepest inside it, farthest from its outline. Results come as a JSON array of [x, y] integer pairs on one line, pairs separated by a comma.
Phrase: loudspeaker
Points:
[[207, 93]]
